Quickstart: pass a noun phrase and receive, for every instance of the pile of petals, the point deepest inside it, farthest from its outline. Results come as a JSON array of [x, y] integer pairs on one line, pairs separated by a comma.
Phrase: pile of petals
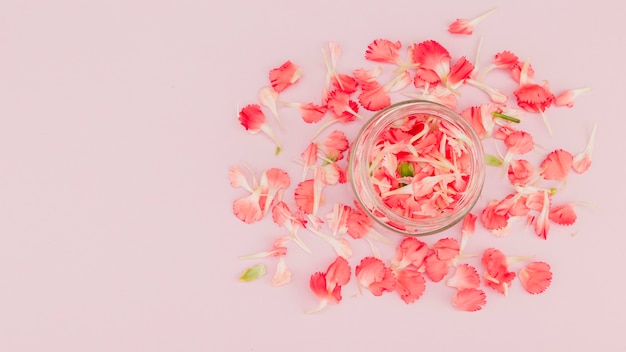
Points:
[[420, 167], [424, 70]]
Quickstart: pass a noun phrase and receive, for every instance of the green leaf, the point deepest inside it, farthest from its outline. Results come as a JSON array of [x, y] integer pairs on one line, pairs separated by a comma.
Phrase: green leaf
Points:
[[253, 273], [406, 170], [492, 160]]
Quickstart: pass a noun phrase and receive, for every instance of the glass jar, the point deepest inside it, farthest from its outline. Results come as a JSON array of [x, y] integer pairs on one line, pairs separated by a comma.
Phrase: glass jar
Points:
[[417, 167]]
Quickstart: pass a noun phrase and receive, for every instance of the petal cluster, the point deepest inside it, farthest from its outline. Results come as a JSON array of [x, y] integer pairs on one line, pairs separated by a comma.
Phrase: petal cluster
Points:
[[419, 168]]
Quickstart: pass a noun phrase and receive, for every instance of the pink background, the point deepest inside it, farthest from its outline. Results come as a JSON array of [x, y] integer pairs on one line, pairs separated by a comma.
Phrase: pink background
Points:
[[118, 126]]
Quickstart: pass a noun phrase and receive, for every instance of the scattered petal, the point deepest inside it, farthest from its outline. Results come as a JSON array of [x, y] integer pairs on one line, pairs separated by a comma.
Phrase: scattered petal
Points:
[[493, 220], [542, 225], [374, 275], [520, 172], [469, 299], [434, 61], [536, 277], [284, 76], [411, 251], [465, 276], [268, 97], [497, 274], [556, 165], [383, 50], [465, 26], [410, 285], [282, 275], [467, 229], [563, 214], [327, 286], [582, 161], [253, 120], [247, 209], [567, 98]]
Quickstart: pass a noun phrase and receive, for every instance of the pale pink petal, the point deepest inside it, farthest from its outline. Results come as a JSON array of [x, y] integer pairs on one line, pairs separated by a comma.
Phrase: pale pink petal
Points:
[[436, 269], [505, 59], [491, 219], [359, 224], [312, 113], [334, 145], [461, 71], [568, 97], [563, 214], [516, 71], [309, 156], [337, 219], [556, 165], [582, 161], [469, 299], [542, 225], [248, 209], [338, 272], [536, 277], [304, 196], [411, 251], [446, 248], [268, 97], [345, 83], [466, 26], [238, 179], [519, 142], [433, 59], [410, 285], [374, 98], [333, 174], [282, 275], [467, 229], [383, 50], [473, 115], [497, 274], [465, 276], [374, 275], [520, 172]]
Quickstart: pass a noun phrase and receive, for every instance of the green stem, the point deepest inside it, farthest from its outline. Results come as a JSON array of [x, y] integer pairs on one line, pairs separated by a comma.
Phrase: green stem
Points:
[[506, 117]]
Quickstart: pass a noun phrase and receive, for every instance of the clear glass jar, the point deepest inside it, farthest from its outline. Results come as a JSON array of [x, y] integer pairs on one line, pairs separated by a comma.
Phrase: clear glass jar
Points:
[[446, 149]]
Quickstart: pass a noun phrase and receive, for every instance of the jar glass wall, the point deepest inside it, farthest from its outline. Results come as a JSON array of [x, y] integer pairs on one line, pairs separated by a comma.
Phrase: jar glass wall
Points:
[[417, 167]]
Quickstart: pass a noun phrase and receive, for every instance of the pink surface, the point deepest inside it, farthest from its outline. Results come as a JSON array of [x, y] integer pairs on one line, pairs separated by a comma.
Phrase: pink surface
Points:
[[118, 126]]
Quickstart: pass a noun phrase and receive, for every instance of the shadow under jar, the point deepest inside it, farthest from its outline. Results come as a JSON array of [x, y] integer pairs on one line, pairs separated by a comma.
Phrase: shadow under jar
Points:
[[417, 167]]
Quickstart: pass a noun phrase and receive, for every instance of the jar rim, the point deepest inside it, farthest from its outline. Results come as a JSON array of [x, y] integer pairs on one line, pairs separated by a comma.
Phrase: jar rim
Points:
[[361, 181]]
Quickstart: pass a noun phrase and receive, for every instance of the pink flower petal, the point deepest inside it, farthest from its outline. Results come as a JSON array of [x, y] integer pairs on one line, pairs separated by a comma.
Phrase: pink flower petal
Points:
[[556, 165], [466, 26], [410, 285], [465, 276], [536, 277], [383, 50], [469, 299], [411, 251], [284, 76], [248, 209], [373, 274], [563, 214]]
